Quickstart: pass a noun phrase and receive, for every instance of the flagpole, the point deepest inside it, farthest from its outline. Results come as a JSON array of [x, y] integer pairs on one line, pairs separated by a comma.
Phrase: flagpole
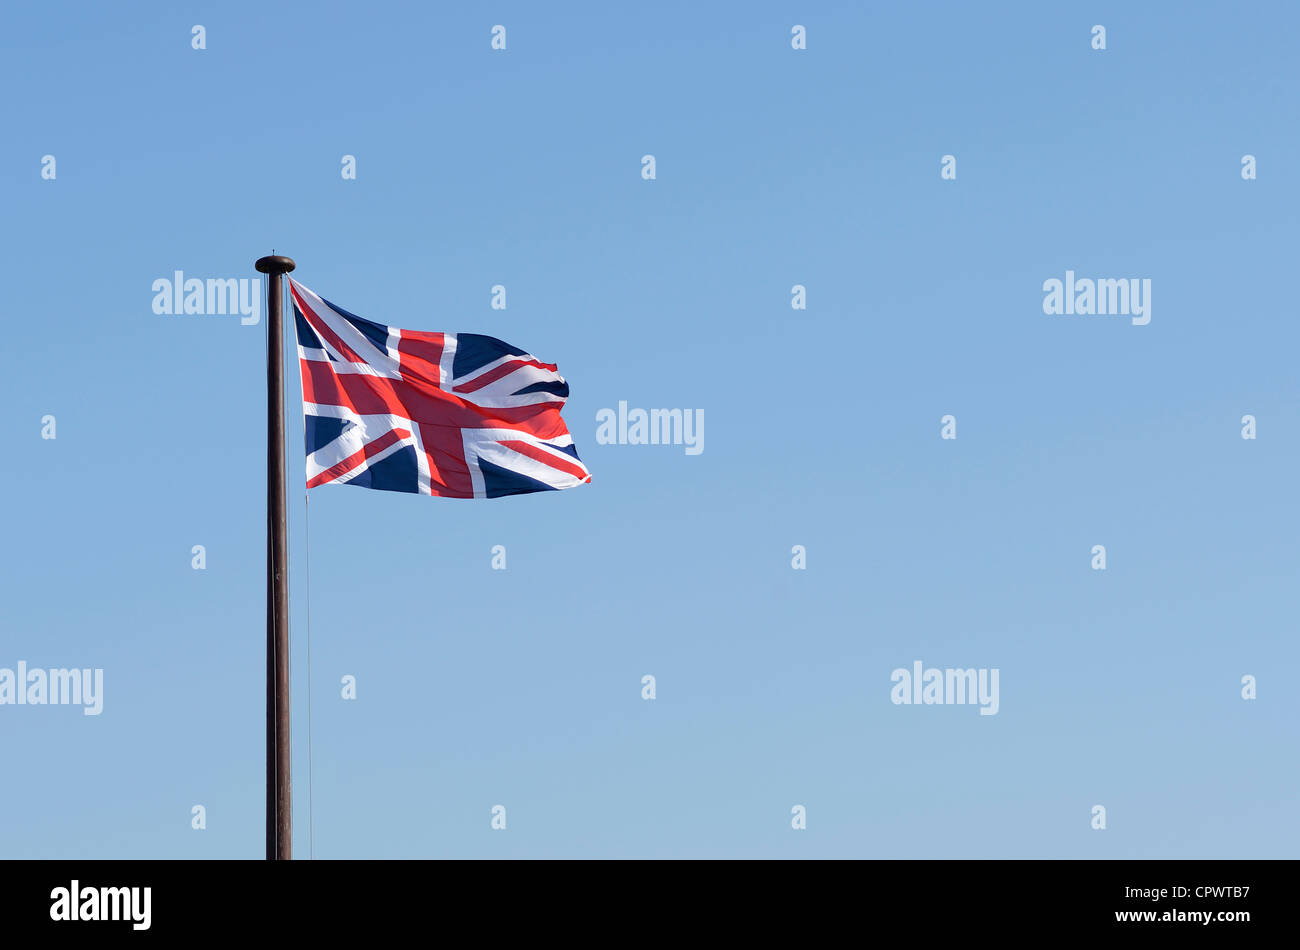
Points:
[[279, 805]]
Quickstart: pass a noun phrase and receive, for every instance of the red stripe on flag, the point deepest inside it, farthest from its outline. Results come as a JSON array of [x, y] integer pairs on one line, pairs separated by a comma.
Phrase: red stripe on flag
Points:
[[541, 455], [505, 369], [375, 395], [364, 395], [367, 451], [448, 473], [322, 328], [420, 356]]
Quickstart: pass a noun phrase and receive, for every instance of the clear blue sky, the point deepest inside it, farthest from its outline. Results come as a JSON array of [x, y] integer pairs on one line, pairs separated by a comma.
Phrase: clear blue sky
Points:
[[774, 167]]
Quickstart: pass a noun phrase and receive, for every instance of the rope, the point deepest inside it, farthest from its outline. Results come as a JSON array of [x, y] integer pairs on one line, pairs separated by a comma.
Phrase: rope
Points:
[[311, 812]]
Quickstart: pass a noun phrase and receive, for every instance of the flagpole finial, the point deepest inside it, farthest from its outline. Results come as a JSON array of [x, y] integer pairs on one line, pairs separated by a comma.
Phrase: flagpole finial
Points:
[[275, 264]]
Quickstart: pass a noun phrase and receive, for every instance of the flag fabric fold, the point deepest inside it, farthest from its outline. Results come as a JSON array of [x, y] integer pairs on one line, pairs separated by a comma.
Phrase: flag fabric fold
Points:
[[458, 415]]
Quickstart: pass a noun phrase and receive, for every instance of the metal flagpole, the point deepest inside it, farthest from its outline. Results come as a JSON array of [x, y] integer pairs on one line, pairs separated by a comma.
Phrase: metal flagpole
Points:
[[279, 805]]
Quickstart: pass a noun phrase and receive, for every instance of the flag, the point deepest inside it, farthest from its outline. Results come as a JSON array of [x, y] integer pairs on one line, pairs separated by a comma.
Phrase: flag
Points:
[[454, 414]]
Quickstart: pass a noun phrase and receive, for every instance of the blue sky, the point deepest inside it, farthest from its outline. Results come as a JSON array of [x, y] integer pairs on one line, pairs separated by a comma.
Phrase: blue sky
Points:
[[774, 167]]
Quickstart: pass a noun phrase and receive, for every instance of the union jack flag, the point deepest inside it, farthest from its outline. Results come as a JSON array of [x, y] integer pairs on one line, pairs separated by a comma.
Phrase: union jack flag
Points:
[[452, 414]]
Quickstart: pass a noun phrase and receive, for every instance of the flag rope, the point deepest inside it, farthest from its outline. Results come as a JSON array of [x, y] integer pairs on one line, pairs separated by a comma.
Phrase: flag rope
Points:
[[306, 523], [306, 563], [311, 813]]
